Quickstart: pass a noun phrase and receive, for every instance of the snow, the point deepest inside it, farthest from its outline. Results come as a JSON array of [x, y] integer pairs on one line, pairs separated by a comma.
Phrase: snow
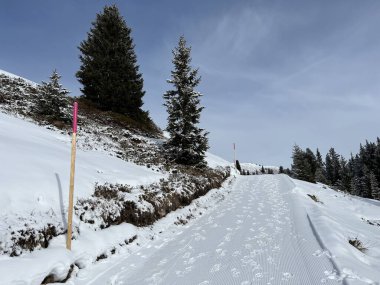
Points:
[[214, 161], [248, 238], [252, 167], [265, 231], [16, 76], [342, 217], [37, 165], [261, 229]]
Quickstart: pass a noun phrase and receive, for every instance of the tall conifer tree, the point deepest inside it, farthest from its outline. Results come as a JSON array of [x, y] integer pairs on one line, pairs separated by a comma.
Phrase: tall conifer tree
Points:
[[109, 72], [188, 143]]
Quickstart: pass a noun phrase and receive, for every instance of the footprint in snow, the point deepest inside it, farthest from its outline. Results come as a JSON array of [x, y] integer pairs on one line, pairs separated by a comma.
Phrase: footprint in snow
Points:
[[215, 268], [227, 237], [162, 262], [156, 277], [259, 275], [183, 273], [186, 255], [204, 282], [190, 261], [287, 276], [235, 272], [319, 253], [221, 252]]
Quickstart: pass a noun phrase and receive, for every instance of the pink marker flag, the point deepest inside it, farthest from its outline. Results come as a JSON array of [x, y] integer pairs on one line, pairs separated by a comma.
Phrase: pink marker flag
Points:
[[75, 117]]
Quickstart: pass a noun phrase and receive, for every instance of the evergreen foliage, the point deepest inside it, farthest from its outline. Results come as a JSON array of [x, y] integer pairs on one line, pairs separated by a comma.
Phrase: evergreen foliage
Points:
[[52, 99], [303, 164], [188, 143], [374, 184], [320, 172], [238, 167], [360, 175], [333, 167], [109, 72]]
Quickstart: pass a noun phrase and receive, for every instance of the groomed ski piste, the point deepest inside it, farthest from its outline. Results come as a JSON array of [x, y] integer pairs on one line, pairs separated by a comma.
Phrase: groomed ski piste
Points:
[[261, 229]]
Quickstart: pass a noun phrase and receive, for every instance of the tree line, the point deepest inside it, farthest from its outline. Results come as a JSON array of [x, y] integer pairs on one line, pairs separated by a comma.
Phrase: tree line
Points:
[[359, 175], [111, 80]]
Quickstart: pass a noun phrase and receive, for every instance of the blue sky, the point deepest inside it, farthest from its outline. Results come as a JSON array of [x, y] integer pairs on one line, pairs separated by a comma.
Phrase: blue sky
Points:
[[274, 73]]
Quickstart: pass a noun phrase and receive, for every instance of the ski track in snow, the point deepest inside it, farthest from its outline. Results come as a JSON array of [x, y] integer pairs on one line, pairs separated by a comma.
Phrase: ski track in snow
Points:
[[257, 235]]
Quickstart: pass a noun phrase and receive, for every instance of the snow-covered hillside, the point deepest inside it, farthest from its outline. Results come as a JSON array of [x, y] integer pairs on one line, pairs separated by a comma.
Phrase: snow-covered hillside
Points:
[[256, 168], [11, 75], [34, 189], [35, 175]]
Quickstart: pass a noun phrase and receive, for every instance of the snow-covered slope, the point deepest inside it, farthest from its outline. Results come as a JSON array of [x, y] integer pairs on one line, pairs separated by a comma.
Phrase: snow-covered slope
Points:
[[252, 167], [35, 174], [35, 164], [11, 75], [338, 218]]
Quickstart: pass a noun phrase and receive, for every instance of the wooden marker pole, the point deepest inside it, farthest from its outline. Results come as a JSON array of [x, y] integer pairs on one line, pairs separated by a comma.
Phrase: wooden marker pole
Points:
[[72, 173]]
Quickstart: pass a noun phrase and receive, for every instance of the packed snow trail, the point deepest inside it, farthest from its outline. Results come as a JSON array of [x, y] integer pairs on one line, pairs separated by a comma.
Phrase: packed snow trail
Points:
[[258, 235]]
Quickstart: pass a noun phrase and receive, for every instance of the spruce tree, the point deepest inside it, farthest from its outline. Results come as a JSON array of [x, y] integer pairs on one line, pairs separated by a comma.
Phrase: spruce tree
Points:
[[344, 182], [332, 167], [312, 161], [301, 167], [358, 184], [188, 143], [109, 72], [320, 172], [52, 99], [374, 186]]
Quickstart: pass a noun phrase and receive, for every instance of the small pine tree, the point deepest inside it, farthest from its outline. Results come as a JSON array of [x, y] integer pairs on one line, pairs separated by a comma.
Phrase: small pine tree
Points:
[[262, 170], [52, 99], [238, 167], [188, 143], [281, 169]]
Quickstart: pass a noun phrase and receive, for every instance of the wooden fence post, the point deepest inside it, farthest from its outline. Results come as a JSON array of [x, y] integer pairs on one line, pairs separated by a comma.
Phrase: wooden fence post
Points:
[[72, 173]]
